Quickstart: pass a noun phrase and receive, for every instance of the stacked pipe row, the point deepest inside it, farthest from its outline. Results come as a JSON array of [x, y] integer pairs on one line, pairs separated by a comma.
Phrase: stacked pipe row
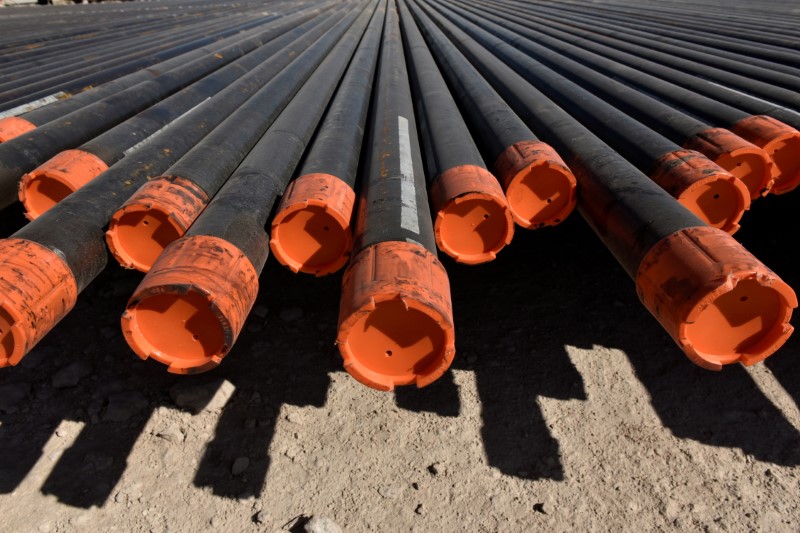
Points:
[[371, 134]]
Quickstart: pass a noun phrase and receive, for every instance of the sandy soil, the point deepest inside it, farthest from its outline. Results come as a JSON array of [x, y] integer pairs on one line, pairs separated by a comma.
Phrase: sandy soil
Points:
[[567, 408]]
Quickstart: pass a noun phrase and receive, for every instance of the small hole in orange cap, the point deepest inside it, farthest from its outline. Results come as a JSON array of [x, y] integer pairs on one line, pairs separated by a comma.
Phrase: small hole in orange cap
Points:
[[388, 353]]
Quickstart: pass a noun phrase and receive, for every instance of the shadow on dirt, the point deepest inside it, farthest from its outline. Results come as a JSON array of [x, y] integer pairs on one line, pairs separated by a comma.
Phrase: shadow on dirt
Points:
[[514, 318]]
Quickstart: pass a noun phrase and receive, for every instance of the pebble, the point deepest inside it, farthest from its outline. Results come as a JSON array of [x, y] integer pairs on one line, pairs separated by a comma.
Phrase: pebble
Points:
[[12, 394], [240, 465], [172, 434], [420, 509], [322, 524], [435, 469], [292, 314], [204, 397], [72, 374], [295, 417], [390, 491], [260, 517], [125, 405]]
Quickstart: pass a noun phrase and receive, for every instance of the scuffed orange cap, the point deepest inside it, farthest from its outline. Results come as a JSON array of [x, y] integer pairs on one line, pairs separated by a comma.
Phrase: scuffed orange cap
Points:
[[782, 144], [540, 189], [37, 290], [395, 317], [705, 189], [11, 127], [473, 221], [311, 231], [746, 161], [157, 214], [719, 303], [44, 187], [189, 310]]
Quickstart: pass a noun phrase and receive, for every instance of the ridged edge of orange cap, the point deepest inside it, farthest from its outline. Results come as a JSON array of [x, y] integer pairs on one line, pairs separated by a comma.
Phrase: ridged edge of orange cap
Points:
[[60, 176], [395, 317], [37, 290], [11, 127], [311, 231], [703, 187], [782, 144], [746, 161], [719, 303], [540, 189], [189, 310], [157, 214], [473, 221]]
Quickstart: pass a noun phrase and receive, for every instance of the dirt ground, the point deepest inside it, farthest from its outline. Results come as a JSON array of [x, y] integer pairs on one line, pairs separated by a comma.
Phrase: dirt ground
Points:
[[567, 408]]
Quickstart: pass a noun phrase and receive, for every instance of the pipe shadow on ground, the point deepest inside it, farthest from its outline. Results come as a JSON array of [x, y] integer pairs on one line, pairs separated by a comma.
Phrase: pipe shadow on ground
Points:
[[514, 318]]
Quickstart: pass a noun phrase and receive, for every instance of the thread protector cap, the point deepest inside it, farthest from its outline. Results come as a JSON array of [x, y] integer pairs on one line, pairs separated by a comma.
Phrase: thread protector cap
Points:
[[718, 302], [190, 308], [396, 317]]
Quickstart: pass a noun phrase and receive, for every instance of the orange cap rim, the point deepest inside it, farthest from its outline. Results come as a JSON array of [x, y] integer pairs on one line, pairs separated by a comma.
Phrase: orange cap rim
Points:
[[719, 201]]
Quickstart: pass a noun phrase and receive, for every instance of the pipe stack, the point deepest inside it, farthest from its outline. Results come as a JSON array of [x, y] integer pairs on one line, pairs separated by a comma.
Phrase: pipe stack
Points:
[[192, 138]]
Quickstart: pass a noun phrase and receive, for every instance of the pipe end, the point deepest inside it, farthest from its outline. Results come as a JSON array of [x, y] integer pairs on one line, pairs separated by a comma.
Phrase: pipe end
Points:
[[540, 189], [396, 318], [189, 310], [746, 161], [11, 127], [311, 231], [157, 214], [718, 302], [473, 221], [37, 290], [781, 142], [711, 193], [45, 186]]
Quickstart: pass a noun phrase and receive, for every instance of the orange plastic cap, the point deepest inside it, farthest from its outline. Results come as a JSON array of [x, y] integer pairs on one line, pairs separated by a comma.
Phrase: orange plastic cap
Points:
[[157, 214], [37, 290], [782, 144], [11, 127], [189, 310], [311, 231], [44, 187], [746, 161], [395, 317], [473, 221], [719, 303], [705, 189], [540, 189]]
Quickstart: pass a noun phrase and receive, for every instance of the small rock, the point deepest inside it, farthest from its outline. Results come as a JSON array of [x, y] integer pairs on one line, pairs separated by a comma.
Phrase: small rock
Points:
[[540, 508], [12, 394], [420, 509], [44, 527], [197, 397], [172, 434], [295, 417], [292, 314], [260, 517], [390, 491], [322, 524], [435, 469], [240, 465], [72, 374], [125, 405], [215, 521]]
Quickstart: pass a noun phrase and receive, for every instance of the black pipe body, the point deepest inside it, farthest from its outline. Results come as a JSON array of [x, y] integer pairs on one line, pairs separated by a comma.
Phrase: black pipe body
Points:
[[210, 163], [336, 147], [24, 153], [112, 145], [446, 140], [240, 210], [74, 227], [627, 210], [394, 200], [492, 121]]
